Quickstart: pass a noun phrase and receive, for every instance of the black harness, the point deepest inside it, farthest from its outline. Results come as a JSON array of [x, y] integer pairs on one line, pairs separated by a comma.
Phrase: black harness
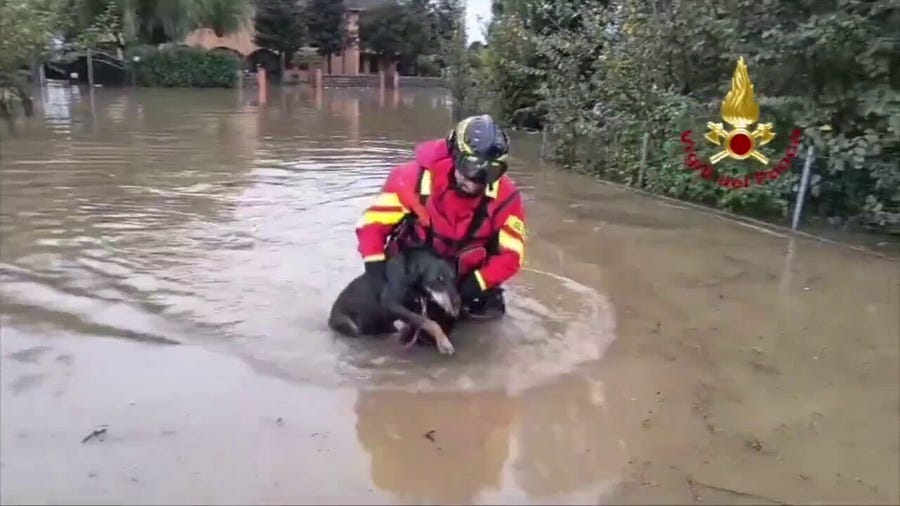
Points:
[[407, 225]]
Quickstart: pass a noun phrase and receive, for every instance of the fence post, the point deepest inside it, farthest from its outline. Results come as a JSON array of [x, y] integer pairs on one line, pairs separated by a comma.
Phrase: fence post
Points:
[[643, 169], [543, 142], [801, 194], [262, 83], [90, 68]]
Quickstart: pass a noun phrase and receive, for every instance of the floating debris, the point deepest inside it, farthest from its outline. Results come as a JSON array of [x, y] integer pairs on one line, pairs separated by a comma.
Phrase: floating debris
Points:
[[95, 433]]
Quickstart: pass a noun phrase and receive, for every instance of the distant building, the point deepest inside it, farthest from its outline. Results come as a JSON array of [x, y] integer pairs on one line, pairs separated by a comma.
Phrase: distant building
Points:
[[352, 61]]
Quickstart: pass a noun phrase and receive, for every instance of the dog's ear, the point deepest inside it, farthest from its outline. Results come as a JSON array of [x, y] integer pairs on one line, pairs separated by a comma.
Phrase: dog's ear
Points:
[[397, 280]]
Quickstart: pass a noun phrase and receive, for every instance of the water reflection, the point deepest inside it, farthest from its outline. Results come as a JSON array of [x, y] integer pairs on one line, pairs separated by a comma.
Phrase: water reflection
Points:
[[448, 449], [570, 446], [557, 443]]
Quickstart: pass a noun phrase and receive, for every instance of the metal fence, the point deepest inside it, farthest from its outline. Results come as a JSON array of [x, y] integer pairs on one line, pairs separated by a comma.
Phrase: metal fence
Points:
[[602, 152]]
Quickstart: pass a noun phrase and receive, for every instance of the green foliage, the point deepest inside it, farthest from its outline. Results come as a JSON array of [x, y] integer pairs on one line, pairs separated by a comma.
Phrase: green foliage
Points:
[[280, 26], [26, 30], [443, 21], [187, 67], [406, 29], [601, 73], [427, 67], [154, 21], [393, 30], [223, 17], [327, 29], [454, 53], [105, 27], [305, 60]]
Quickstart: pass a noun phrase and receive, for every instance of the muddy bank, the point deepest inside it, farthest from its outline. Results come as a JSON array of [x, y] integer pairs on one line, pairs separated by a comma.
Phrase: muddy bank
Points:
[[744, 359]]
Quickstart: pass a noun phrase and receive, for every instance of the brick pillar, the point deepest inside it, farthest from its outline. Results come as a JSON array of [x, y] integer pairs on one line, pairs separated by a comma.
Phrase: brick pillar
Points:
[[261, 82]]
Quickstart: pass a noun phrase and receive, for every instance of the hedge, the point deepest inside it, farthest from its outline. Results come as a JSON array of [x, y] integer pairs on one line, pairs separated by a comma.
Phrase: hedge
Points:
[[185, 67]]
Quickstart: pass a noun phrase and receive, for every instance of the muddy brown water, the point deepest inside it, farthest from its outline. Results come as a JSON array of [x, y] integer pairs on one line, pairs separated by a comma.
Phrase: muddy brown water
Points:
[[169, 258]]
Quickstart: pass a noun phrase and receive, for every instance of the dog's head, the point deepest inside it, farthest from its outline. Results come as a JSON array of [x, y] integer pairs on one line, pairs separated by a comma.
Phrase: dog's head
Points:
[[436, 278]]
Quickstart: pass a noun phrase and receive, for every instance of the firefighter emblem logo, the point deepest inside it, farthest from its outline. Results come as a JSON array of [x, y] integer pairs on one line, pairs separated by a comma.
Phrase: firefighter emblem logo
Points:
[[740, 110], [742, 141]]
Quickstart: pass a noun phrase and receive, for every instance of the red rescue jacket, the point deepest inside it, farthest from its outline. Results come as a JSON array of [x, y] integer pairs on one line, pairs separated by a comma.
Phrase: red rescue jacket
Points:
[[494, 251]]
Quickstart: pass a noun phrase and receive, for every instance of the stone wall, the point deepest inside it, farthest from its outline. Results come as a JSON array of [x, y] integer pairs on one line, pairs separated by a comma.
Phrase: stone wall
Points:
[[357, 81], [422, 82]]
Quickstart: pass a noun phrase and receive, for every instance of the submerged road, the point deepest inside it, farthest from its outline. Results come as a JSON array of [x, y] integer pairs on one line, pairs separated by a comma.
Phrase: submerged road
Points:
[[168, 259]]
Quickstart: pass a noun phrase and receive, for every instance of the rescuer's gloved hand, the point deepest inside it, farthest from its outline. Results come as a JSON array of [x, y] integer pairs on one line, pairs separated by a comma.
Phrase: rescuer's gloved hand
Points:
[[377, 270], [469, 288]]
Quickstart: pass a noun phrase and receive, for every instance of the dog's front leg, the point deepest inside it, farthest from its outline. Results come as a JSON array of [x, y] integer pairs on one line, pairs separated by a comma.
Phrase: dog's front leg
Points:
[[428, 325]]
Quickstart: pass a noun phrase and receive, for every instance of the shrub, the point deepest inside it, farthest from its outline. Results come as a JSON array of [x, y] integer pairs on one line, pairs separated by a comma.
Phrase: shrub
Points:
[[599, 74], [427, 67], [306, 60], [186, 67]]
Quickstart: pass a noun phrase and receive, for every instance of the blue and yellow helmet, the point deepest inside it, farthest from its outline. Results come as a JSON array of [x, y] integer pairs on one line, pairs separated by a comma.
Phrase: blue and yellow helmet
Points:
[[479, 148]]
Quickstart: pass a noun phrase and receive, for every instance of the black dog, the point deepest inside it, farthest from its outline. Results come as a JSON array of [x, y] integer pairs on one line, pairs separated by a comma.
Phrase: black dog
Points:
[[411, 335], [418, 284]]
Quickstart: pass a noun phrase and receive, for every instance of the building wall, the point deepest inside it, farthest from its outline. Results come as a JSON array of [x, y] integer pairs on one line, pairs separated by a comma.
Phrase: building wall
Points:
[[242, 41], [345, 63]]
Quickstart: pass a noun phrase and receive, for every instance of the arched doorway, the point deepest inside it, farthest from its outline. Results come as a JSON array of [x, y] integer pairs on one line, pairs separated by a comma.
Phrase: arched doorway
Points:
[[267, 60], [233, 52]]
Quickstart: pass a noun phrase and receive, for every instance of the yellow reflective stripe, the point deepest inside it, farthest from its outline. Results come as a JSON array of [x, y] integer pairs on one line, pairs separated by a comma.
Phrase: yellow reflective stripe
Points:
[[512, 243], [425, 188], [461, 136], [492, 189], [516, 224], [380, 217], [480, 280], [388, 200], [374, 258]]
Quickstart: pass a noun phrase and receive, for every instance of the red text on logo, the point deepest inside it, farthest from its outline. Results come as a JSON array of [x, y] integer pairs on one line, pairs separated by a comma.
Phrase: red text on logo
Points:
[[693, 162]]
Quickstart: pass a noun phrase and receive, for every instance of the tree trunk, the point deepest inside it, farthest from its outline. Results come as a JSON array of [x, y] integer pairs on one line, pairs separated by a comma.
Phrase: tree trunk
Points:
[[90, 68], [6, 113]]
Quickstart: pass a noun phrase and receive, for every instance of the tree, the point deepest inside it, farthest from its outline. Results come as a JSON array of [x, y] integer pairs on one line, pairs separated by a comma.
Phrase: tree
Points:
[[442, 19], [280, 26], [157, 22], [327, 27], [221, 16], [406, 30], [607, 72], [104, 28], [28, 27], [394, 31], [453, 51]]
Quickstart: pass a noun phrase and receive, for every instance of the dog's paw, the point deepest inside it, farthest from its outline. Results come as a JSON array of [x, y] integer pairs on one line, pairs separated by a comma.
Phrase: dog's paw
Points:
[[445, 347]]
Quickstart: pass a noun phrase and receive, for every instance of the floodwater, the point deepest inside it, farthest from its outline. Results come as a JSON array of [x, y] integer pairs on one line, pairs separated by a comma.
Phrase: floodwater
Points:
[[169, 258]]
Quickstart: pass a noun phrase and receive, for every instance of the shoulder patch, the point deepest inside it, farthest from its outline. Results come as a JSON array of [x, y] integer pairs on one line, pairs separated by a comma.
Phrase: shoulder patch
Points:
[[518, 225]]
